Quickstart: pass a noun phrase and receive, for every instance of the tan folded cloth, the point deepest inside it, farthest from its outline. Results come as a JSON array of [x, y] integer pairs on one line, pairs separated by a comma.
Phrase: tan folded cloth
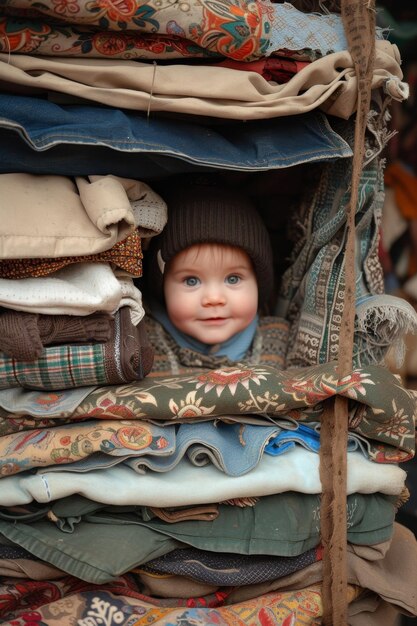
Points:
[[49, 216], [54, 216], [205, 512], [28, 568], [329, 83], [393, 578]]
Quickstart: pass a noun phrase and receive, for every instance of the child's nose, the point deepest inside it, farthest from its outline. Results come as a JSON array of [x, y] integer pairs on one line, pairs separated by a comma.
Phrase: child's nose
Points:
[[213, 295]]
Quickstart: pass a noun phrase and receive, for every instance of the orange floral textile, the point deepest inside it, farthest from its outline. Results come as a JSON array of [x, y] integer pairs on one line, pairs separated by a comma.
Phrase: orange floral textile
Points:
[[237, 29]]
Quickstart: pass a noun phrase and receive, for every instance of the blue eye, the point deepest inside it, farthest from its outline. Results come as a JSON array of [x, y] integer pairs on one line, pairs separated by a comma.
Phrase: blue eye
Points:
[[192, 281], [233, 279]]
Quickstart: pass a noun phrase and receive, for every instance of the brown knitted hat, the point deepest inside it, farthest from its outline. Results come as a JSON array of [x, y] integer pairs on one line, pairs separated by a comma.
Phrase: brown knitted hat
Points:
[[200, 214]]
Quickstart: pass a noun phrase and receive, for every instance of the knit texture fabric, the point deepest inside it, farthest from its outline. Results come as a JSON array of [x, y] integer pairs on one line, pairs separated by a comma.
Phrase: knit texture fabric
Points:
[[268, 348], [201, 214], [24, 335]]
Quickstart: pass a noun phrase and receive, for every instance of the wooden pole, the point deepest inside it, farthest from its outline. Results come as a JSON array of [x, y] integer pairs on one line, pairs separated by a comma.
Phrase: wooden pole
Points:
[[359, 23]]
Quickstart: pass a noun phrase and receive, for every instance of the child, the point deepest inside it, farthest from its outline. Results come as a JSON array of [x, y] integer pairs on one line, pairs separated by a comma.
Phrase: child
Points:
[[209, 272]]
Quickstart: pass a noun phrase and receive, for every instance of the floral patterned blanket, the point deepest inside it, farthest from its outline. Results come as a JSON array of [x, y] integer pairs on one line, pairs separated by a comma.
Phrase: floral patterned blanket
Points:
[[381, 410]]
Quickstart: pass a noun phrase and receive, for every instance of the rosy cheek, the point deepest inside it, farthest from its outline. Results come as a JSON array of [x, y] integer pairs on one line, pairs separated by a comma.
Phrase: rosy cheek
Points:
[[182, 307]]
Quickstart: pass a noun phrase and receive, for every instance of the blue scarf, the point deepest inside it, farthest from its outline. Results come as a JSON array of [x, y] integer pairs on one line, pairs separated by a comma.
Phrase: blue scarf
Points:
[[235, 348]]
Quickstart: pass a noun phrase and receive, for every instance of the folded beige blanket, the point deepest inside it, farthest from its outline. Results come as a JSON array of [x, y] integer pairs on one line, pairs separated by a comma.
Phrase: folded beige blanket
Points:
[[56, 216], [329, 83]]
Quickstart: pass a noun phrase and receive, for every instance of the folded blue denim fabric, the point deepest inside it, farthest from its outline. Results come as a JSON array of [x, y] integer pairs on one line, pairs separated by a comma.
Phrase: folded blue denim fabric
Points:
[[47, 137]]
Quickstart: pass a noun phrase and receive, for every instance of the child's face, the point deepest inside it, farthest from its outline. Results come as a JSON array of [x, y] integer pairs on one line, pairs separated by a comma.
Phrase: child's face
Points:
[[211, 292]]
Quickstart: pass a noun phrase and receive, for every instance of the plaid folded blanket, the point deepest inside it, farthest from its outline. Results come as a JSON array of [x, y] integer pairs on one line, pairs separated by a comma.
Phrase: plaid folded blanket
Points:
[[126, 357]]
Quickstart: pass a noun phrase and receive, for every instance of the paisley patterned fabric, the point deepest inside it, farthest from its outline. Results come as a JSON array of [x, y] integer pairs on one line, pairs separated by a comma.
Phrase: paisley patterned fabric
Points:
[[135, 29], [36, 37], [237, 29]]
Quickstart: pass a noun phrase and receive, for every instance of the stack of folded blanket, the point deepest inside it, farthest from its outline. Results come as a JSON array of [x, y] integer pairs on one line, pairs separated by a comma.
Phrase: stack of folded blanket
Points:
[[71, 315], [129, 499], [198, 497]]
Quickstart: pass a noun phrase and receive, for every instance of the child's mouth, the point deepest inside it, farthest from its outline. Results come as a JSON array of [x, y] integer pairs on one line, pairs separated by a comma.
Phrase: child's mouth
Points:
[[215, 320]]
